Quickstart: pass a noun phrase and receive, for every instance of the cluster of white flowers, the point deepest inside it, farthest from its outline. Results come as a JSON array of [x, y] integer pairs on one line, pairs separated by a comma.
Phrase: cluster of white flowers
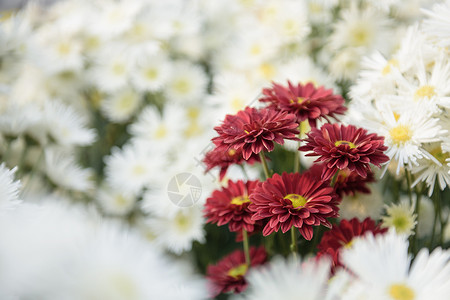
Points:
[[375, 268], [107, 102], [405, 97]]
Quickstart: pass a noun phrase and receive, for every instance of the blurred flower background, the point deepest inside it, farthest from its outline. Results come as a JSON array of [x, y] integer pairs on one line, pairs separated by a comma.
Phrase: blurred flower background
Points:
[[103, 104]]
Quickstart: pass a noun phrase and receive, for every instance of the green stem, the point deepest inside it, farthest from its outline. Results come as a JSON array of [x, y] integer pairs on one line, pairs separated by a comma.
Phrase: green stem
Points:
[[246, 249], [297, 165], [264, 164], [413, 244], [333, 180], [408, 183], [436, 216], [293, 247]]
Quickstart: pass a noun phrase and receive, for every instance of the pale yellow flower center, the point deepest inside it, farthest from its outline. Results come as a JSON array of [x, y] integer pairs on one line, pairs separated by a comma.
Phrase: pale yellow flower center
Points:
[[400, 134], [161, 132], [182, 86], [388, 68], [151, 73], [350, 144], [426, 91], [401, 291], [238, 271], [439, 155], [64, 48], [239, 200], [296, 200]]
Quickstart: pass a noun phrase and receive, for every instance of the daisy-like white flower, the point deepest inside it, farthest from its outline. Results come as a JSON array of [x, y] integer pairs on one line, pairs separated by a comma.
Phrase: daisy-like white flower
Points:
[[159, 127], [151, 73], [177, 230], [305, 101], [289, 279], [186, 84], [364, 28], [346, 64], [9, 188], [66, 126], [341, 236], [345, 147], [438, 23], [401, 217], [131, 168], [254, 130], [406, 134], [295, 200], [230, 206], [121, 105], [362, 206], [429, 171], [229, 274], [62, 169], [114, 202], [383, 270]]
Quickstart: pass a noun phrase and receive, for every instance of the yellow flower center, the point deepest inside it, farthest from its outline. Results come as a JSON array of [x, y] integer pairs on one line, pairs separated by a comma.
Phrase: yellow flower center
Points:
[[296, 200], [388, 68], [118, 69], [64, 48], [400, 291], [161, 132], [239, 200], [182, 86], [237, 103], [231, 152], [439, 155], [350, 144], [427, 91], [400, 134], [238, 271], [267, 70], [151, 73]]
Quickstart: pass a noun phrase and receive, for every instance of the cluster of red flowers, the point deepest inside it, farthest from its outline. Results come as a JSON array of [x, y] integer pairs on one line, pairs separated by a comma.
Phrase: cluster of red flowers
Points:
[[290, 200]]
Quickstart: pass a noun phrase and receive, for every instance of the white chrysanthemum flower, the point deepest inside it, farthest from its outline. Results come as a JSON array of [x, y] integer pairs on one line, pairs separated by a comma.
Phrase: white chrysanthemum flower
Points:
[[55, 51], [121, 105], [16, 120], [424, 87], [232, 92], [320, 11], [131, 168], [346, 64], [114, 18], [365, 28], [177, 231], [405, 135], [9, 188], [362, 206], [384, 271], [151, 73], [400, 217], [63, 171], [114, 202], [111, 68], [186, 84], [66, 126], [159, 128], [290, 23], [429, 171], [437, 25], [283, 279]]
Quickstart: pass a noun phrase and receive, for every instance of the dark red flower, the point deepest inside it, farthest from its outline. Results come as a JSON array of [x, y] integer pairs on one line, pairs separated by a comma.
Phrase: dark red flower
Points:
[[345, 147], [293, 199], [305, 101], [253, 130], [341, 236], [230, 206], [228, 275], [350, 183], [223, 158], [347, 182]]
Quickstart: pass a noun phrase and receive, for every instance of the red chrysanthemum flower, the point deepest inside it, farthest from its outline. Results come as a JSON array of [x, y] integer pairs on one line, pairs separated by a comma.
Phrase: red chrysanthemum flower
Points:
[[341, 236], [228, 275], [254, 130], [223, 158], [347, 182], [230, 206], [345, 147], [293, 199], [305, 101], [350, 183]]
